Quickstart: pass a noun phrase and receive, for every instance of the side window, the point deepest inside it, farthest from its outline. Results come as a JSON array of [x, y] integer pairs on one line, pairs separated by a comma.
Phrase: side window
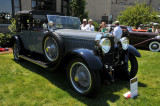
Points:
[[25, 22], [18, 23], [38, 21], [124, 29]]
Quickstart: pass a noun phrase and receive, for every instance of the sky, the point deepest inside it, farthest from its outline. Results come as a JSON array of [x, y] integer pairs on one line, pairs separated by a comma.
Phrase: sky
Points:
[[5, 6]]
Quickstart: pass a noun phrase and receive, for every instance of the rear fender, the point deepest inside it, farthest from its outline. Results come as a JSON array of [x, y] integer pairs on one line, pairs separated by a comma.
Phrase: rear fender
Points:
[[88, 56], [153, 39], [14, 39]]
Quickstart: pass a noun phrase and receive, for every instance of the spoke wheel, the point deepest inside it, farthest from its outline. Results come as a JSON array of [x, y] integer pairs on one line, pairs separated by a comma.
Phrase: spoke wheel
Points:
[[16, 51], [82, 79], [51, 49], [154, 46]]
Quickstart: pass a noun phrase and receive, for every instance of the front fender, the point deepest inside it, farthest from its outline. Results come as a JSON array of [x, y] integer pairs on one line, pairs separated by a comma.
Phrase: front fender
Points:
[[92, 60], [133, 51]]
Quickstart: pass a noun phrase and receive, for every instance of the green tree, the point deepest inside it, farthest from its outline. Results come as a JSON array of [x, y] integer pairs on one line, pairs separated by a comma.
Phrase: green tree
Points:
[[2, 39], [137, 14], [77, 9], [12, 26]]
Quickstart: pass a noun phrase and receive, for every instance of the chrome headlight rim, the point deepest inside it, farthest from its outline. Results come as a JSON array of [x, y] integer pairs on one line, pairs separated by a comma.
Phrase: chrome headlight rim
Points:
[[125, 43], [105, 45], [158, 36]]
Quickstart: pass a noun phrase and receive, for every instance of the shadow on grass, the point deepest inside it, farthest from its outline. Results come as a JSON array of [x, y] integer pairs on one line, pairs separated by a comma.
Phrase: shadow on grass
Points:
[[59, 79]]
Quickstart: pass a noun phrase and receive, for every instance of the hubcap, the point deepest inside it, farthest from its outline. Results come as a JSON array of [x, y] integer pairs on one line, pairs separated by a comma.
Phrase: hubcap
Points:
[[80, 77], [51, 49], [154, 46]]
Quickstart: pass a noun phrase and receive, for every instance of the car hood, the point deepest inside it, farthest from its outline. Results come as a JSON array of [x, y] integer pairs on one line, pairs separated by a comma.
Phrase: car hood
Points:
[[77, 34]]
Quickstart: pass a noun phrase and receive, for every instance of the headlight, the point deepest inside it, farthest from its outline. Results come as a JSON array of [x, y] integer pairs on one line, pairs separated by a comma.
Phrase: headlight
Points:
[[105, 44], [125, 43], [158, 37]]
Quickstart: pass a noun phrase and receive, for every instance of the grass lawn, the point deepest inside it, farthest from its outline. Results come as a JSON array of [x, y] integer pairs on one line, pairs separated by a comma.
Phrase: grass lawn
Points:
[[24, 83]]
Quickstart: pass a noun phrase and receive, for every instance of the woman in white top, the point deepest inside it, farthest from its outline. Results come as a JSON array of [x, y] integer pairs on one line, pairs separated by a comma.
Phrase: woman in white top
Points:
[[157, 30], [90, 26]]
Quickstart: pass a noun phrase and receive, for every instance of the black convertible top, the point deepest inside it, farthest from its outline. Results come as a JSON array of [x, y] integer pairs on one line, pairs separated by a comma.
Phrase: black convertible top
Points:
[[39, 12]]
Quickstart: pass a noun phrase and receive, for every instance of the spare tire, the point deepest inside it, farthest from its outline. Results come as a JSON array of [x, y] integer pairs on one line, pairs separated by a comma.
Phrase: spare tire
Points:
[[53, 47]]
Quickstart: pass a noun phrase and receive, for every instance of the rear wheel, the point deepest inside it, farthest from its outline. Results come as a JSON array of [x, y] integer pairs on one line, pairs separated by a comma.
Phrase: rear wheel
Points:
[[16, 51], [82, 79], [154, 46], [52, 48]]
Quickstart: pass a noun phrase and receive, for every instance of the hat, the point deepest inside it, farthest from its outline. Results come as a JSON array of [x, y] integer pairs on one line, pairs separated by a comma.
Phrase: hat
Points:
[[90, 20], [84, 19], [117, 22]]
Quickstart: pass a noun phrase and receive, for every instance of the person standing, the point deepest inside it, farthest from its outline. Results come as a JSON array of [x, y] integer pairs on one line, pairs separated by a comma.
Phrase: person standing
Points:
[[103, 27], [157, 30], [153, 29], [117, 33], [90, 26], [150, 29], [84, 25]]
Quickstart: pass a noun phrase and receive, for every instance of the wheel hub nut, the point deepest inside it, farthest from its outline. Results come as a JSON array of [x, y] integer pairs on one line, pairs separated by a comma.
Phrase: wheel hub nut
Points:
[[76, 78]]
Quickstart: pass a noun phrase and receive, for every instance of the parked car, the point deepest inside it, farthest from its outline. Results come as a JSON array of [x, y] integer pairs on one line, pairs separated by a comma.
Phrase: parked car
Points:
[[139, 30], [129, 28], [145, 40], [50, 40]]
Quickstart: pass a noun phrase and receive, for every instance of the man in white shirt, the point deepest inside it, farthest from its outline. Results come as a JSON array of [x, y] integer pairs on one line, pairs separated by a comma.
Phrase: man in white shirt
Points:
[[84, 25], [90, 26], [117, 32]]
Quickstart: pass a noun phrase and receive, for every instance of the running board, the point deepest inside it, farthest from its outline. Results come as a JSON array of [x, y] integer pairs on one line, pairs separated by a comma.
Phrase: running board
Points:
[[36, 61]]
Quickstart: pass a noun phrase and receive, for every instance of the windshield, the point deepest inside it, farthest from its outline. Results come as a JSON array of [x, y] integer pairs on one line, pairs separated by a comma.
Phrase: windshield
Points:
[[129, 28], [63, 22]]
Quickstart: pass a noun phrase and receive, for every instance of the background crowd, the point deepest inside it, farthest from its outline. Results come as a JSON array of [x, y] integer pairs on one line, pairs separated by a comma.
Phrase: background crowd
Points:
[[117, 32], [153, 29], [102, 27]]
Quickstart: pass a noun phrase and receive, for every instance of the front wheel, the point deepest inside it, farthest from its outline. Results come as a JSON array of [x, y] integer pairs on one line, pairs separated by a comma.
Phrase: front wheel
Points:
[[82, 79], [132, 66], [154, 46]]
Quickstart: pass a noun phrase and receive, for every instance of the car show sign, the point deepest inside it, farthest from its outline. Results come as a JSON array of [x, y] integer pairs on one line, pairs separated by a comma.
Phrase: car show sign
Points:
[[134, 87]]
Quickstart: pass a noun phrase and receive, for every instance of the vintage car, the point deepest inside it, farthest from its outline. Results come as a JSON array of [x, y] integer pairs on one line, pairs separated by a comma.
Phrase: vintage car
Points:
[[144, 40], [51, 40]]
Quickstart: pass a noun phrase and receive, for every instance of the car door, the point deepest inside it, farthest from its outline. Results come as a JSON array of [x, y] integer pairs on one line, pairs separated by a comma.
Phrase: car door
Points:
[[37, 33], [25, 32]]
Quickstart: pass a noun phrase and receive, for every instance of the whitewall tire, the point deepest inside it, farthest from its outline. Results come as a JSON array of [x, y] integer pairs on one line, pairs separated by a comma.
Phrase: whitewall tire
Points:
[[154, 46]]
